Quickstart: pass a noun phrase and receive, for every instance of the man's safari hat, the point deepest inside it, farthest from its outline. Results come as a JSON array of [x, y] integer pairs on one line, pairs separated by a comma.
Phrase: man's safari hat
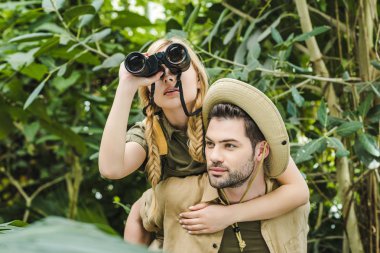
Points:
[[261, 109]]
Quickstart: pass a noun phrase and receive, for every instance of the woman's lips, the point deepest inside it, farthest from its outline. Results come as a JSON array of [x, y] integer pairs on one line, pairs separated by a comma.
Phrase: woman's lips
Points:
[[171, 91]]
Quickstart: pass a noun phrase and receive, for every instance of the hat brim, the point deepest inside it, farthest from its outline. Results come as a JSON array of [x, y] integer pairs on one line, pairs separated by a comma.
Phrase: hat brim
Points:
[[261, 109]]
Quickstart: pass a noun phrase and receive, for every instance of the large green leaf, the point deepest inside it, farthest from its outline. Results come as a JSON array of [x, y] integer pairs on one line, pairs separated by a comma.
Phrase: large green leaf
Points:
[[215, 28], [190, 21], [348, 128], [63, 83], [61, 235], [369, 144], [35, 70], [100, 35], [19, 60]]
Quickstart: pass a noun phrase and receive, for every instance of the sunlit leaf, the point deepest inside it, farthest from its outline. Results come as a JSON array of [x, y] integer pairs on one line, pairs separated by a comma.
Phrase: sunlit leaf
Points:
[[111, 62], [52, 5], [31, 37]]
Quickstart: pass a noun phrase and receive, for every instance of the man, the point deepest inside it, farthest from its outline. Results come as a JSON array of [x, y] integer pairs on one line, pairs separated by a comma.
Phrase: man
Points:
[[246, 140]]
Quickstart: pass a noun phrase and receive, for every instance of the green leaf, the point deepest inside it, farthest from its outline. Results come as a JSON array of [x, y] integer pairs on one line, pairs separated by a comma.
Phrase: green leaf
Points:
[[85, 19], [314, 32], [63, 83], [111, 62], [31, 37], [130, 19], [231, 33], [215, 28], [100, 35], [341, 151], [19, 60], [297, 97], [172, 24], [47, 46], [369, 144], [346, 75], [35, 70], [52, 5], [62, 70], [66, 135], [291, 109], [34, 94], [192, 18], [366, 105], [348, 128], [374, 114], [213, 72], [322, 114], [315, 146], [77, 11], [31, 130], [276, 35], [60, 235], [254, 51], [376, 64]]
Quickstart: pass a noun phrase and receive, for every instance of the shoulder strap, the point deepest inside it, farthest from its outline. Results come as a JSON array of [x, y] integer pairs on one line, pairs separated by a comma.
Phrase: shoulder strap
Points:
[[160, 137]]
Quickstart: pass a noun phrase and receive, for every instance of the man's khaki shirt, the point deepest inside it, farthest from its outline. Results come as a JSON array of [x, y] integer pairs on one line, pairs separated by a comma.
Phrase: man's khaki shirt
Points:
[[287, 233]]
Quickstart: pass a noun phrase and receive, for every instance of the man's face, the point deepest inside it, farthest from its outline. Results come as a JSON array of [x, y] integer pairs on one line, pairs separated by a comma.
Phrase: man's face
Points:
[[229, 153]]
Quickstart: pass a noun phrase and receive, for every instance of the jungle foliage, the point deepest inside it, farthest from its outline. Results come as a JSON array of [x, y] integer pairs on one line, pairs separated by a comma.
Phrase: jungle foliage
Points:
[[318, 61]]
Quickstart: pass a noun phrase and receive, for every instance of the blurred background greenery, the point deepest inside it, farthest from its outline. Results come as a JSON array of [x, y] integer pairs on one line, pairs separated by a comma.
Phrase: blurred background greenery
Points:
[[58, 74]]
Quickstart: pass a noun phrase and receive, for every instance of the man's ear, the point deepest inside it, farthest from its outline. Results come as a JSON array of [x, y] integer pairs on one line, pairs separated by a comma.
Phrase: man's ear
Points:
[[262, 150]]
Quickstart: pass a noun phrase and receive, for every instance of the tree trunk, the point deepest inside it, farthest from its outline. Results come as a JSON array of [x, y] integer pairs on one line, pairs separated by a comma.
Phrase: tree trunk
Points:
[[343, 171]]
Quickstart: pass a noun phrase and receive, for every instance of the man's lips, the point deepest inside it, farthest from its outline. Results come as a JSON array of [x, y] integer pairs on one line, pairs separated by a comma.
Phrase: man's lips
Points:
[[217, 171], [170, 90]]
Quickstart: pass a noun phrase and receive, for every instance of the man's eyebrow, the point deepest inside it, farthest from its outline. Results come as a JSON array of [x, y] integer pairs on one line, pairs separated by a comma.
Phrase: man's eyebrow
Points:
[[224, 140]]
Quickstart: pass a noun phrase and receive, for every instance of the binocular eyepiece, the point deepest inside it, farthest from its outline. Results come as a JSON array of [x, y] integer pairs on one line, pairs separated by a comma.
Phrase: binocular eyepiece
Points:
[[175, 58]]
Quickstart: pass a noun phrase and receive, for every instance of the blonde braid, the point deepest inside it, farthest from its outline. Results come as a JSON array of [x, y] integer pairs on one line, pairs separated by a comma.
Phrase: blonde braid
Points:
[[195, 133], [153, 165]]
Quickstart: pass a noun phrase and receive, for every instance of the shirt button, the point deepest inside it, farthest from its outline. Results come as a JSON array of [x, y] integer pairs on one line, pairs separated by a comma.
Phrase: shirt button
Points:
[[214, 245]]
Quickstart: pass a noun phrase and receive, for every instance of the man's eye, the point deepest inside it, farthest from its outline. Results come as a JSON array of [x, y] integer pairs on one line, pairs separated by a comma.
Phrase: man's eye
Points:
[[229, 145]]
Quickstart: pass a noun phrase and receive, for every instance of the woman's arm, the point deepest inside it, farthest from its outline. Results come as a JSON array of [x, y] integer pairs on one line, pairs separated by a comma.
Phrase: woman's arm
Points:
[[118, 159], [292, 193]]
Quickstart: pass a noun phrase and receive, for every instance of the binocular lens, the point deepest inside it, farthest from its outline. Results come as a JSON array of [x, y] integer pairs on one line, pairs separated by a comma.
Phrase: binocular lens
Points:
[[135, 62], [176, 53]]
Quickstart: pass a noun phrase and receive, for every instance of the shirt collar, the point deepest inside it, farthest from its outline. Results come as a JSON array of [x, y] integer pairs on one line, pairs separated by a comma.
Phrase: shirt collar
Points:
[[168, 128], [210, 193]]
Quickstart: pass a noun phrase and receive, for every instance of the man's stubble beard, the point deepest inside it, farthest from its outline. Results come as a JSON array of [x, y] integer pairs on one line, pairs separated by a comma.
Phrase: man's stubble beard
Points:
[[235, 178]]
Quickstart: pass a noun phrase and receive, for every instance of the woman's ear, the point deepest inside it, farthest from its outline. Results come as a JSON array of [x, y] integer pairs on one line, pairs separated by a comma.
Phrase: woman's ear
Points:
[[198, 82]]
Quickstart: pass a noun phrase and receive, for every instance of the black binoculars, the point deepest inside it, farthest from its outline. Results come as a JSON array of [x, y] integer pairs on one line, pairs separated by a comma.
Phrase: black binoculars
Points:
[[175, 58]]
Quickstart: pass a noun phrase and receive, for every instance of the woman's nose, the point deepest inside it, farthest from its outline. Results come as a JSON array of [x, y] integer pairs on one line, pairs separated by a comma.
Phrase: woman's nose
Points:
[[169, 77]]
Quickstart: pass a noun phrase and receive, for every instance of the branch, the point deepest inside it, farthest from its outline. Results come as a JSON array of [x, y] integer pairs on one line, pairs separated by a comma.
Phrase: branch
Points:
[[279, 73]]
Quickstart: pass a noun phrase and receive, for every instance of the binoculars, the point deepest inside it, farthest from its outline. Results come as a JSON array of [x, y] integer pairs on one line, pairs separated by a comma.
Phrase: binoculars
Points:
[[175, 58]]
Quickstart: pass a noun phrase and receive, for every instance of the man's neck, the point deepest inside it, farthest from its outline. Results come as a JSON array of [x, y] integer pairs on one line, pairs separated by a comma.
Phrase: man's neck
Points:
[[257, 188]]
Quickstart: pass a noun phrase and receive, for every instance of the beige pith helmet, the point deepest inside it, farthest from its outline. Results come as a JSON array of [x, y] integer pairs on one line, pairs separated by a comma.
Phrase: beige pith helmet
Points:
[[261, 109]]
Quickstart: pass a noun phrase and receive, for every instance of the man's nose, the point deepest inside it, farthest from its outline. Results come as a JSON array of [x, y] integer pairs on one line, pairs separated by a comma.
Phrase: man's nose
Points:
[[215, 155]]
